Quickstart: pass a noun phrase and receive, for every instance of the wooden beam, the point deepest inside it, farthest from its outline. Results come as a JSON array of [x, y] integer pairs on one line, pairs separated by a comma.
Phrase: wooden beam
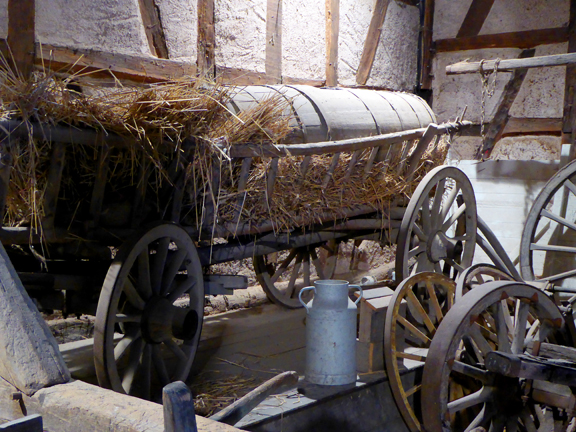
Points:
[[569, 112], [475, 18], [521, 39], [104, 64], [500, 119], [21, 35], [332, 32], [153, 28], [206, 38], [372, 40], [427, 52], [518, 126], [512, 64], [274, 40]]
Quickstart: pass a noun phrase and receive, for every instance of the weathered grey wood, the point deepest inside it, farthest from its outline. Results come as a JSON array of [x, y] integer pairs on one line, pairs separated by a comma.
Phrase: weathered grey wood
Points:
[[271, 178], [206, 38], [153, 27], [500, 118], [5, 171], [21, 36], [31, 423], [352, 163], [370, 162], [274, 40], [29, 355], [234, 413], [554, 351], [305, 165], [242, 181], [330, 174], [53, 181], [332, 32], [427, 43], [512, 64], [212, 190], [569, 112], [99, 188], [178, 408], [414, 159], [372, 40]]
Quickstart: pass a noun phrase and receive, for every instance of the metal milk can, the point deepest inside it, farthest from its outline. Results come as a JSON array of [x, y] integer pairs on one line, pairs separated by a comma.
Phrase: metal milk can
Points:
[[331, 333]]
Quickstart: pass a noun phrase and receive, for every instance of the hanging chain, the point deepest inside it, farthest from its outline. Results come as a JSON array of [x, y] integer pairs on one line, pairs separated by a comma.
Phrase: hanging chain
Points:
[[488, 90]]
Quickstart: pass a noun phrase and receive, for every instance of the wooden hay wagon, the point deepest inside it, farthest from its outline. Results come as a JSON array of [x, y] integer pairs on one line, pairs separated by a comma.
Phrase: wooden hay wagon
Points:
[[126, 226]]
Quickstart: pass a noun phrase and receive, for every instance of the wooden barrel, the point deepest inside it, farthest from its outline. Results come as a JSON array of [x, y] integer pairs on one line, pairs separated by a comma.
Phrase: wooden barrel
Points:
[[325, 114]]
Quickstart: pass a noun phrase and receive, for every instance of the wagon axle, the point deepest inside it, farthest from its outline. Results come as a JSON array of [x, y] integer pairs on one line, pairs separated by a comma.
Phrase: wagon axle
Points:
[[162, 320]]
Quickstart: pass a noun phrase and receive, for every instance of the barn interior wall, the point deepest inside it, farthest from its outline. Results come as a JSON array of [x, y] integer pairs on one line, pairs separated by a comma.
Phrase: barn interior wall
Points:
[[541, 94]]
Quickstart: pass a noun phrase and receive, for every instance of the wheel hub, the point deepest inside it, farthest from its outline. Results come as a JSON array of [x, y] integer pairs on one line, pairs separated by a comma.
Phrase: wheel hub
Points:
[[161, 320], [440, 247]]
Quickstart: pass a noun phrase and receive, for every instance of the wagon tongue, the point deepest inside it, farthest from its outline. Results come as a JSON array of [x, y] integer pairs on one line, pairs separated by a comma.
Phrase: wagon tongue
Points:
[[162, 320]]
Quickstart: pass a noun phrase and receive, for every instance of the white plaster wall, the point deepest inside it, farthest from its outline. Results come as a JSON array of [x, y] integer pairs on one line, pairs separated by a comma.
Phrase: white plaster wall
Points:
[[395, 62], [107, 25], [241, 34], [3, 18], [180, 22], [304, 39]]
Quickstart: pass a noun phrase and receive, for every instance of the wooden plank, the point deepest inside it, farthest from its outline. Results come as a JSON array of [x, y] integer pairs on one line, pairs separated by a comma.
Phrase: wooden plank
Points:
[[178, 408], [274, 40], [414, 159], [372, 40], [53, 182], [153, 27], [475, 18], [271, 178], [330, 174], [31, 423], [427, 52], [569, 112], [500, 119], [104, 64], [206, 38], [521, 39], [332, 32], [21, 35], [6, 162]]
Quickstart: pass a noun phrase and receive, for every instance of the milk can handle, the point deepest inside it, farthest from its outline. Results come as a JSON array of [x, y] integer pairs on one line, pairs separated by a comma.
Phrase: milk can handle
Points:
[[359, 288], [300, 295]]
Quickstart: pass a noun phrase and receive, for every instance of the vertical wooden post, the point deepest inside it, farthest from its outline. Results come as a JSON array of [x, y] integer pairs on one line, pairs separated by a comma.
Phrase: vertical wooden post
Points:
[[372, 40], [569, 114], [426, 60], [6, 163], [153, 28], [206, 38], [332, 32], [21, 35], [178, 408], [274, 40]]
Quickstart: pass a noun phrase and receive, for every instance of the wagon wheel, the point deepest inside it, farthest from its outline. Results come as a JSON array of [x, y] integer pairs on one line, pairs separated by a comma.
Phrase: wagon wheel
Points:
[[151, 304], [548, 246], [479, 274], [283, 274], [428, 297], [457, 390], [438, 230]]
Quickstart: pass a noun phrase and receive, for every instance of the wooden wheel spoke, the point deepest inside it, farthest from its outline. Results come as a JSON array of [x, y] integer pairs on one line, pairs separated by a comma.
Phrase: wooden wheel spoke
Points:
[[479, 339], [134, 360], [144, 284], [146, 371], [417, 307], [123, 318], [426, 218], [471, 371], [412, 329], [570, 186], [482, 418], [459, 212], [437, 202], [173, 346], [481, 396], [160, 365], [434, 299], [417, 251], [306, 269], [455, 265], [291, 290], [181, 287], [122, 347], [283, 266], [558, 276], [448, 202], [419, 233], [410, 356], [172, 268], [502, 328], [553, 248], [520, 321], [558, 219], [158, 263], [133, 296], [413, 390]]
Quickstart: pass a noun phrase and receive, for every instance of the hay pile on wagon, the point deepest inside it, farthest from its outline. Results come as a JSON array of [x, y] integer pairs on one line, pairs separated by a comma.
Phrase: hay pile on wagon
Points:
[[159, 122]]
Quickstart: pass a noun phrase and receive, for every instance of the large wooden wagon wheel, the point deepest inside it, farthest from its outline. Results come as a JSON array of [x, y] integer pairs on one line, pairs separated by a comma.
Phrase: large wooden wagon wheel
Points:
[[428, 296], [458, 391], [149, 315], [438, 230], [283, 274], [548, 247], [479, 274]]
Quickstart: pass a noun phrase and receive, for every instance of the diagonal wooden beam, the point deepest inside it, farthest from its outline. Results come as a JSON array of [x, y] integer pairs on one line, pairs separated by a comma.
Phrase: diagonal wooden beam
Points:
[[274, 40], [475, 17], [206, 38], [501, 117], [21, 34], [372, 40], [153, 27], [332, 31], [569, 114], [427, 43]]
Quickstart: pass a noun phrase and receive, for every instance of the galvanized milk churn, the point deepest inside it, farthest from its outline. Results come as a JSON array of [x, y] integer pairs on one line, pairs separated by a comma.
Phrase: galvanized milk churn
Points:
[[330, 333]]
